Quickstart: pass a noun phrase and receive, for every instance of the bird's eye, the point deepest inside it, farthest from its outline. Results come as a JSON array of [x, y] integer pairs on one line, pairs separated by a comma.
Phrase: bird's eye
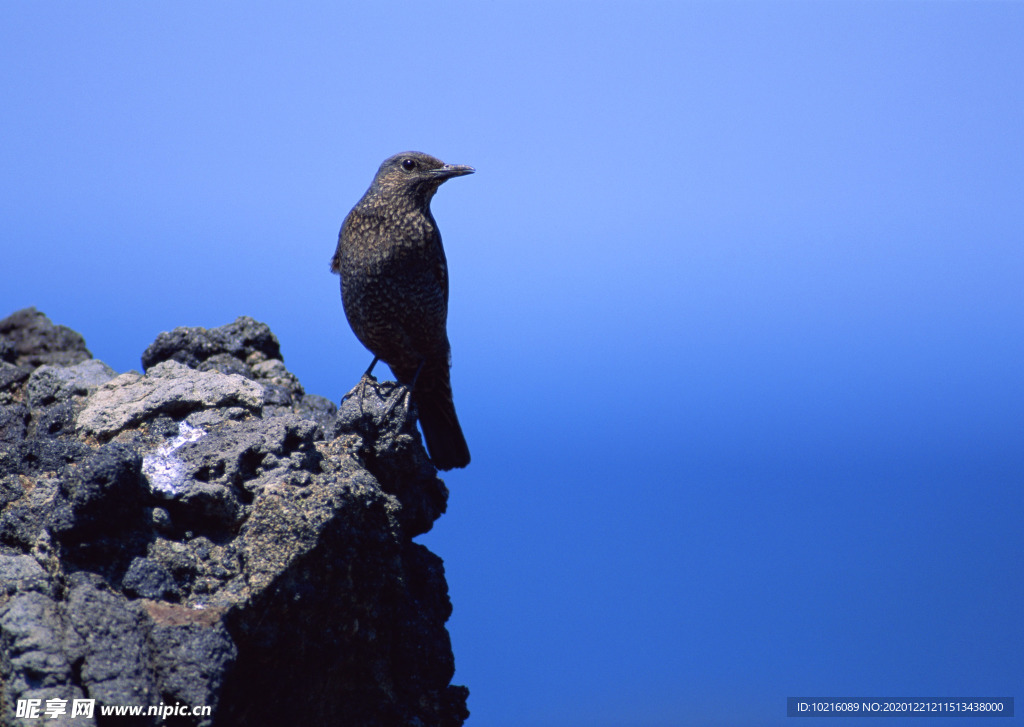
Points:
[[408, 165]]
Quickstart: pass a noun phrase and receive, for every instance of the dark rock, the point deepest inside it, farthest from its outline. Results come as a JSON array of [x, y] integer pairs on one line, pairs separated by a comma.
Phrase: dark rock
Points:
[[192, 346], [321, 410], [104, 490], [43, 455], [208, 507], [345, 600], [21, 524], [58, 418], [239, 452], [277, 396], [208, 533], [164, 426], [11, 489], [35, 466], [393, 452], [23, 519], [35, 341], [11, 375], [147, 579], [13, 423], [201, 567], [192, 652], [225, 363], [100, 515]]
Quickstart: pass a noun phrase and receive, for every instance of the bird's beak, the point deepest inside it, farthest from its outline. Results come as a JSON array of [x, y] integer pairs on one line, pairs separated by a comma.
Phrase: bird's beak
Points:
[[452, 170]]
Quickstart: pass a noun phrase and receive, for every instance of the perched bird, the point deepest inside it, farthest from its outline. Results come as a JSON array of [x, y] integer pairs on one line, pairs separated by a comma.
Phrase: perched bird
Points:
[[394, 286]]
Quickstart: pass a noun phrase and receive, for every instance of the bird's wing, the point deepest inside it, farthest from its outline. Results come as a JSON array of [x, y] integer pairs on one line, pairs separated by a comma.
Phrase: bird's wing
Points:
[[441, 269]]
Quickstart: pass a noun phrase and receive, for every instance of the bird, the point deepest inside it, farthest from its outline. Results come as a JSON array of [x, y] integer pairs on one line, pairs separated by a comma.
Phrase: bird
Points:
[[394, 288]]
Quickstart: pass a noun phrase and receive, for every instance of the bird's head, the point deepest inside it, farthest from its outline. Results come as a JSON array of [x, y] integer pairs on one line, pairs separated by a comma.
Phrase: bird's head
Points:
[[415, 174]]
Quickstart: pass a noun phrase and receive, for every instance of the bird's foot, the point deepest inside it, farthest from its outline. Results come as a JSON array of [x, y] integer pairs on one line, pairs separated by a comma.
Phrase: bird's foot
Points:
[[402, 394], [362, 388]]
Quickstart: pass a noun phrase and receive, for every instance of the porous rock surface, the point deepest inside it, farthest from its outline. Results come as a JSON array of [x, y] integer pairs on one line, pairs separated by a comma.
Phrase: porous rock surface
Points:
[[208, 534]]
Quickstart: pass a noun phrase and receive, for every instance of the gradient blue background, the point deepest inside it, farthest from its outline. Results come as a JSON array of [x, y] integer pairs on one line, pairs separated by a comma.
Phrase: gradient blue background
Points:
[[736, 308]]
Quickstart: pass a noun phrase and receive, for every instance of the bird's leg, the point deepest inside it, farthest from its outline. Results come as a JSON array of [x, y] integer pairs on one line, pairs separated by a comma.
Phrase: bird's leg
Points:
[[406, 397], [416, 376], [362, 381]]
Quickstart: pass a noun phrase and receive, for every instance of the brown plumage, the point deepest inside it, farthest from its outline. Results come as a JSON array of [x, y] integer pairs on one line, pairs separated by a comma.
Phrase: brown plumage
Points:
[[394, 286]]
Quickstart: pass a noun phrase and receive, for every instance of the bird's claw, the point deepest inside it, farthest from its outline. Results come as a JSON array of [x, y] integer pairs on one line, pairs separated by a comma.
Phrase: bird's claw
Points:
[[404, 394], [362, 388]]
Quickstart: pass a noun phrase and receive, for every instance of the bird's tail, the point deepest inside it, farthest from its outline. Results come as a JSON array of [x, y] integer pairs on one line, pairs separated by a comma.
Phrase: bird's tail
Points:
[[445, 442]]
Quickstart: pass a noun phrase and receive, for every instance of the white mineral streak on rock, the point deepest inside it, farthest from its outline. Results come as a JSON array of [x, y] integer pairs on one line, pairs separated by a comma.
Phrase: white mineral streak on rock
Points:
[[162, 468]]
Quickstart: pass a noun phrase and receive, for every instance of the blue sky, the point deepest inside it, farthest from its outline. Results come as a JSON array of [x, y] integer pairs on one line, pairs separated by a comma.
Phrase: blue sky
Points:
[[736, 309]]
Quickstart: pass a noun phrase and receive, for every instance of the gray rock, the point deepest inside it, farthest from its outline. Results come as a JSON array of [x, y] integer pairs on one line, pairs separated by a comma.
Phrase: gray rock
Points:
[[112, 646], [22, 573], [50, 383], [277, 397], [273, 372], [319, 409], [32, 641], [168, 388], [238, 452]]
